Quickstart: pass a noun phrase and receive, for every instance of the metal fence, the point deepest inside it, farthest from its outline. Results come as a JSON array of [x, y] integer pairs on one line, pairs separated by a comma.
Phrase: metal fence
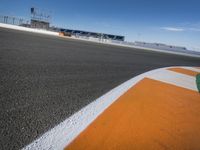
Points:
[[13, 20]]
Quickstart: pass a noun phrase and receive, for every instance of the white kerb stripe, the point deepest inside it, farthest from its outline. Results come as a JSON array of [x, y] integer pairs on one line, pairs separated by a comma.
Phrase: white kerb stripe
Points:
[[63, 134], [176, 79], [192, 69]]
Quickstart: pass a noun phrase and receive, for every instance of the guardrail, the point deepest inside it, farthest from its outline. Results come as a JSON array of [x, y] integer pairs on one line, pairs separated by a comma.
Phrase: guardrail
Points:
[[134, 45], [13, 20]]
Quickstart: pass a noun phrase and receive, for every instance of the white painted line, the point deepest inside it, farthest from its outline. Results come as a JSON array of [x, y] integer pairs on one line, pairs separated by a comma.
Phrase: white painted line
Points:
[[177, 79], [61, 135], [192, 69], [64, 133]]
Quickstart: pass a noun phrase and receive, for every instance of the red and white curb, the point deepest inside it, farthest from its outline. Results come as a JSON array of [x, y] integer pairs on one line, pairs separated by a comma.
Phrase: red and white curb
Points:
[[63, 134]]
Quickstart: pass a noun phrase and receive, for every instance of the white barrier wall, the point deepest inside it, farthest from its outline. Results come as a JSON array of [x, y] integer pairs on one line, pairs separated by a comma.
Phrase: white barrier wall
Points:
[[164, 49], [159, 45], [160, 48], [28, 29]]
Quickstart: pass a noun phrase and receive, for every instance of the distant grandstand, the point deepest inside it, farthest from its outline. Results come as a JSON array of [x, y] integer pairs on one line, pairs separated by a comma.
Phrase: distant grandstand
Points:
[[80, 33], [39, 19]]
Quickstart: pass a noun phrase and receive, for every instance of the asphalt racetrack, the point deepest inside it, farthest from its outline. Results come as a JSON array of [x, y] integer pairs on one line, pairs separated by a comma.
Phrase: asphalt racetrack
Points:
[[45, 79]]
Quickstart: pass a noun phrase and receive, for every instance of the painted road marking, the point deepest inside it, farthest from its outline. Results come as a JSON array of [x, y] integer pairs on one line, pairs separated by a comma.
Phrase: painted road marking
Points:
[[64, 133], [151, 115], [184, 71], [192, 68], [174, 78], [68, 130]]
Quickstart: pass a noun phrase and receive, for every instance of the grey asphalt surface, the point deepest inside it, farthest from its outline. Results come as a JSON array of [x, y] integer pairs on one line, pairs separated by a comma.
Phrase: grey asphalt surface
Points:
[[45, 79]]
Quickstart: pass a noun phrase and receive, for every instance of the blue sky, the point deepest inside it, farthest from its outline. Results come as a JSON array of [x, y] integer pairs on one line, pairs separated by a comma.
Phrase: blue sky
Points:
[[175, 22]]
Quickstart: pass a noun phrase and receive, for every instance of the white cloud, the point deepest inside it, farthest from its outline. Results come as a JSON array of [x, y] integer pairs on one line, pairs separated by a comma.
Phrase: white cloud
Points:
[[181, 29], [173, 29]]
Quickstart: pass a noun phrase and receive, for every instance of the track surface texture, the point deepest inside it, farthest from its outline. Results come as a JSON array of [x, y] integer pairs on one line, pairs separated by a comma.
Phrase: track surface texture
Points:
[[45, 79]]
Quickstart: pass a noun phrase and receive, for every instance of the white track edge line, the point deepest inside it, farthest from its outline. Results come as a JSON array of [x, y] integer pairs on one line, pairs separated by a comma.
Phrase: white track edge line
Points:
[[63, 134]]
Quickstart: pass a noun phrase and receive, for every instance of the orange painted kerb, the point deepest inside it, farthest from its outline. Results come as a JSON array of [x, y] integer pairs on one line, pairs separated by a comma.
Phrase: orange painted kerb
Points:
[[61, 34], [184, 71], [151, 115]]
